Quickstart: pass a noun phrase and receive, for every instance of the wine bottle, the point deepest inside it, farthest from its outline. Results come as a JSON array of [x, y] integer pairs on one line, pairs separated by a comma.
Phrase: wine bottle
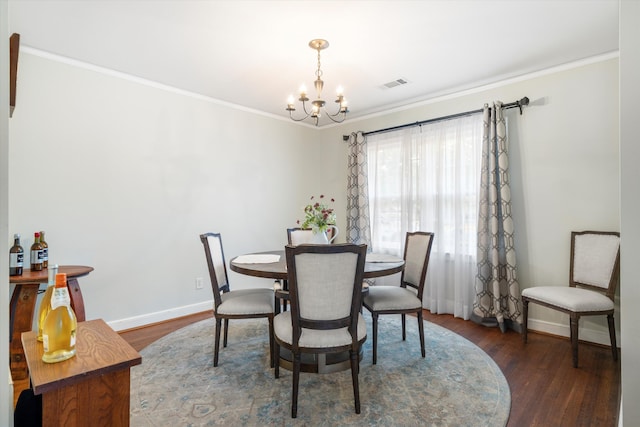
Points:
[[45, 303], [36, 253], [45, 251], [16, 257], [59, 331]]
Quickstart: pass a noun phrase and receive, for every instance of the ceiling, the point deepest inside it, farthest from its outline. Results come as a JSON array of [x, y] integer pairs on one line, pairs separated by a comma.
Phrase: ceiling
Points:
[[255, 54]]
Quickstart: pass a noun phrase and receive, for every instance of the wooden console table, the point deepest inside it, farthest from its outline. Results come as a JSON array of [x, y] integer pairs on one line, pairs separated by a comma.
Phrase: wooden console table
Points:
[[23, 306], [91, 388]]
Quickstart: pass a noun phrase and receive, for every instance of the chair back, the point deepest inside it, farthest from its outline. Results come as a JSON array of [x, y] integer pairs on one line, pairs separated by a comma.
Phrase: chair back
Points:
[[325, 285], [417, 249], [299, 236], [595, 261], [212, 243]]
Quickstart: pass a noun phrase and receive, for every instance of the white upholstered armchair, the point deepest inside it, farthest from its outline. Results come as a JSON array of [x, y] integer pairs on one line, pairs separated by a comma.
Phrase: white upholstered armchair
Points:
[[593, 277]]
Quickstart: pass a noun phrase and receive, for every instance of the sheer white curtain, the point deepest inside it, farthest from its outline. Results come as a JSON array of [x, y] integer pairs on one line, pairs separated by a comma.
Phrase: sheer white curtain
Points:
[[427, 178]]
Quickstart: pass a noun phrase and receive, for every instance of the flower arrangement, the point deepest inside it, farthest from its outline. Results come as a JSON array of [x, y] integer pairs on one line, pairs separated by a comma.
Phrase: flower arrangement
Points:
[[318, 216]]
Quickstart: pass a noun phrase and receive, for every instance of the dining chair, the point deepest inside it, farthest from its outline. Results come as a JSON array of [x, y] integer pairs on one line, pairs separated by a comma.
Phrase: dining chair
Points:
[[234, 304], [594, 268], [399, 299], [325, 286], [299, 236], [295, 236]]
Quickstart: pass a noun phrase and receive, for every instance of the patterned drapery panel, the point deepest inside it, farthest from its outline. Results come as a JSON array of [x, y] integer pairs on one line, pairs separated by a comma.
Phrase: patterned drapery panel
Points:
[[497, 288], [358, 228]]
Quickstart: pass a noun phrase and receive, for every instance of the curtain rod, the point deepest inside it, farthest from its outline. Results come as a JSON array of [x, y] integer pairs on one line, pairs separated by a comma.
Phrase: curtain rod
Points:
[[519, 104]]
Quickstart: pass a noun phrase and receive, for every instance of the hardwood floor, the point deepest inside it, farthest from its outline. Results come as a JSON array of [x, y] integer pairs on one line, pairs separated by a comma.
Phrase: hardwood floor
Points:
[[545, 389]]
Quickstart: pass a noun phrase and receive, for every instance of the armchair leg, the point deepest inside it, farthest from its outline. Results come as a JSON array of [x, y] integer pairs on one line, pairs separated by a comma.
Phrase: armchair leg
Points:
[[574, 338], [354, 379], [226, 329], [276, 349], [216, 346], [271, 340], [421, 332], [375, 337], [404, 327], [525, 317], [296, 381], [612, 336]]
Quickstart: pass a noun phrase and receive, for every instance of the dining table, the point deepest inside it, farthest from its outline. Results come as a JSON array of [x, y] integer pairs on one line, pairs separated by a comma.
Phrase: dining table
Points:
[[272, 265]]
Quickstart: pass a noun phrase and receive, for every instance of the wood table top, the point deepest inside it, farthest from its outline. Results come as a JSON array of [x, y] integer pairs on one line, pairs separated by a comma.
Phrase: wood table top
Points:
[[99, 350], [278, 270], [42, 276]]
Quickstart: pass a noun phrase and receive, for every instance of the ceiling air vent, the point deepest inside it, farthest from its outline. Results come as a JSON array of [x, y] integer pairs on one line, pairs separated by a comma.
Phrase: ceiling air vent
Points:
[[395, 83]]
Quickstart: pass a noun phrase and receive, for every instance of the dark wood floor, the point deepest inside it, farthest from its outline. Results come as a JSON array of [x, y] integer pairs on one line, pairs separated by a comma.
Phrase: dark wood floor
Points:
[[545, 389]]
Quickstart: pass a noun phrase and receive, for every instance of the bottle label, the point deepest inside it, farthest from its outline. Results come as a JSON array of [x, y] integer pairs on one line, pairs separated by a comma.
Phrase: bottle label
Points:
[[60, 298], [36, 257], [16, 260], [45, 254]]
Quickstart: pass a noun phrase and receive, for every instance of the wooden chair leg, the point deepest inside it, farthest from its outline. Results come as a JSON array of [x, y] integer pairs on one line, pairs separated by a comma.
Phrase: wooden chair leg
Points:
[[296, 381], [573, 318], [525, 316], [271, 340], [404, 327], [226, 329], [612, 336], [375, 337], [354, 379], [276, 349], [421, 332], [216, 346]]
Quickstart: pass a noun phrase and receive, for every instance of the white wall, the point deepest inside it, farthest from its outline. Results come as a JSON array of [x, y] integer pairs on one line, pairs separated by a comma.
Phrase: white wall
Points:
[[630, 208], [124, 176], [564, 168]]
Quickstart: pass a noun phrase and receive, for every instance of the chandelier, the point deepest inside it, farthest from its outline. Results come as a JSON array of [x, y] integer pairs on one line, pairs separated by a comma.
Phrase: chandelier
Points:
[[317, 106]]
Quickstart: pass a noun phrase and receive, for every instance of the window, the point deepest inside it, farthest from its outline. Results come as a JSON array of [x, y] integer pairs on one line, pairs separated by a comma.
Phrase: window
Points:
[[427, 178]]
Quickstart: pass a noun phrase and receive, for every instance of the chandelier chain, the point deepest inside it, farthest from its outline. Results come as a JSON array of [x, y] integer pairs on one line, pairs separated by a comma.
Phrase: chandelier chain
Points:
[[318, 71]]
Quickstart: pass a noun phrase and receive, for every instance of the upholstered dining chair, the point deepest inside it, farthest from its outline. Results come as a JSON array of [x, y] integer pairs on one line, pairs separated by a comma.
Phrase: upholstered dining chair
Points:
[[234, 304], [399, 299], [299, 236], [295, 236], [594, 268], [325, 286]]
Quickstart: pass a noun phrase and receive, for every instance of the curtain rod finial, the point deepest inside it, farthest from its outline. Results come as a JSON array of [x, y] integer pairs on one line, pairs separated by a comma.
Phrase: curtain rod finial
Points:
[[522, 102]]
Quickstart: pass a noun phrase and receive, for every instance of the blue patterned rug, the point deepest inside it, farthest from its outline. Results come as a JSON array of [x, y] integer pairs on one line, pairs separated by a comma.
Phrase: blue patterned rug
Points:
[[457, 384]]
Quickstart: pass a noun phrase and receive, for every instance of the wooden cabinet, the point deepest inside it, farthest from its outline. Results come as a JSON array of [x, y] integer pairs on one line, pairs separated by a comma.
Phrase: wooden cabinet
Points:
[[91, 388]]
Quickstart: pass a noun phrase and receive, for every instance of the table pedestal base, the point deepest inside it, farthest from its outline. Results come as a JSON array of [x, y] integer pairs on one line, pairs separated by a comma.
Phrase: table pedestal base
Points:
[[322, 363]]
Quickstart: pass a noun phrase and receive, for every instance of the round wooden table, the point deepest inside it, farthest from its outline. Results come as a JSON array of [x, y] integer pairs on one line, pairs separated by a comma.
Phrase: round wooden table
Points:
[[23, 305], [278, 270], [316, 363]]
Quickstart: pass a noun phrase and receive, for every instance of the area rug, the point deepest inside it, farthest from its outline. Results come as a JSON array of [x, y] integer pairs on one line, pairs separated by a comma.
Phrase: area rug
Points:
[[457, 384]]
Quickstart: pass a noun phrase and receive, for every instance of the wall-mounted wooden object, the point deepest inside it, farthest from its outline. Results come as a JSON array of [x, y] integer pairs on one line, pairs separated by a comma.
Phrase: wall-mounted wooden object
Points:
[[14, 47]]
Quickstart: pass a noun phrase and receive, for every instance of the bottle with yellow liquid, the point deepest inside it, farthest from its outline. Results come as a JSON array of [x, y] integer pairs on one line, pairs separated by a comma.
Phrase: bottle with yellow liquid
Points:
[[45, 303], [59, 330]]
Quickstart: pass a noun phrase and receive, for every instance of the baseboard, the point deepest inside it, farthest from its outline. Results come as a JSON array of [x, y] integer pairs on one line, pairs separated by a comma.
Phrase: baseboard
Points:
[[589, 335], [159, 316]]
